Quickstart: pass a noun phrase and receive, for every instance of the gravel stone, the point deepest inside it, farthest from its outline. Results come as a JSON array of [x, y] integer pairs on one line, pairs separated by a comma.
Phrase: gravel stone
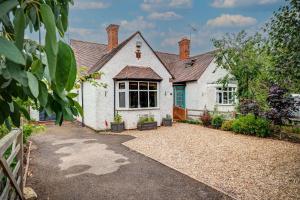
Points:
[[244, 167]]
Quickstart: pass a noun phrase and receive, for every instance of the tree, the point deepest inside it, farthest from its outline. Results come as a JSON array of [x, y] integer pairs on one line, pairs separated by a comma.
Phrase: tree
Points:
[[29, 71], [284, 44], [246, 60], [282, 105]]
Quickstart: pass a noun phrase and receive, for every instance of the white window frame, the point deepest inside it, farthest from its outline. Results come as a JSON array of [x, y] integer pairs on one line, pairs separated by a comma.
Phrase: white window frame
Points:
[[222, 91], [126, 90]]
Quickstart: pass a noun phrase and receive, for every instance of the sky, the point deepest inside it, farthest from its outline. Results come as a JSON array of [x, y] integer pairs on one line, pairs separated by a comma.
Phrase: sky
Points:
[[164, 22]]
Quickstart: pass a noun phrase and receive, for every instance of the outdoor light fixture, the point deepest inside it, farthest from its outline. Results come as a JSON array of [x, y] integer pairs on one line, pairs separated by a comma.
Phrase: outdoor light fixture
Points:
[[138, 52]]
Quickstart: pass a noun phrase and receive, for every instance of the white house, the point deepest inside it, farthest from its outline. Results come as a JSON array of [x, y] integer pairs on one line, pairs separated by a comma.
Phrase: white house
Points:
[[141, 81]]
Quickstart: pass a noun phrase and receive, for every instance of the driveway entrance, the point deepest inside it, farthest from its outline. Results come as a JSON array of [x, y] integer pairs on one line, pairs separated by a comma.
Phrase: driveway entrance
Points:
[[71, 162]]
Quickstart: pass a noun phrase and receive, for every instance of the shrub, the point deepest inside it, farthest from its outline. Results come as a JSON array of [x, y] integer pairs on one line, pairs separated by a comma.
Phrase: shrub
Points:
[[145, 119], [227, 125], [28, 129], [191, 121], [206, 119], [251, 125], [291, 129], [118, 118], [217, 121], [3, 131]]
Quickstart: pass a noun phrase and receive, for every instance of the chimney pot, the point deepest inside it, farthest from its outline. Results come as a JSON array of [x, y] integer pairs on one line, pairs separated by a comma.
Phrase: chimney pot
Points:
[[184, 48], [112, 35]]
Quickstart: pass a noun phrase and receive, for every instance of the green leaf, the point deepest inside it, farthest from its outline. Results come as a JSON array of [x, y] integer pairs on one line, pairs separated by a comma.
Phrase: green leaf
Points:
[[19, 23], [78, 107], [72, 73], [72, 95], [15, 116], [25, 112], [6, 6], [51, 46], [37, 69], [43, 94], [33, 84], [64, 16], [64, 62], [11, 52], [17, 73]]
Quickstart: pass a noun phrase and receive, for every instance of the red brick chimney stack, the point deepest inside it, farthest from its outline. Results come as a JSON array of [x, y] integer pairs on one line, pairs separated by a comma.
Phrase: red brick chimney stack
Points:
[[184, 48], [112, 35]]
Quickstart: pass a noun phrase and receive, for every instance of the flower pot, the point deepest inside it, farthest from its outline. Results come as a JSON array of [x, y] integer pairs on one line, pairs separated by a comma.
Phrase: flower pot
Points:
[[147, 126], [117, 127], [167, 122]]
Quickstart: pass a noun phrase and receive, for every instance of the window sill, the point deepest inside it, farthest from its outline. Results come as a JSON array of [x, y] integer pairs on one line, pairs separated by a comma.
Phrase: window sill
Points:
[[225, 104], [136, 109]]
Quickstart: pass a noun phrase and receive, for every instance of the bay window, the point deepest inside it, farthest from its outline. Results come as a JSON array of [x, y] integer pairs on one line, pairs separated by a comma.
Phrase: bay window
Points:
[[137, 94], [225, 96]]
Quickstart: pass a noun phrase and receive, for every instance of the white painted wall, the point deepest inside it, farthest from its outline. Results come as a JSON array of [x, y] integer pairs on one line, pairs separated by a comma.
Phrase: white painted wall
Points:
[[99, 102], [34, 114], [202, 93]]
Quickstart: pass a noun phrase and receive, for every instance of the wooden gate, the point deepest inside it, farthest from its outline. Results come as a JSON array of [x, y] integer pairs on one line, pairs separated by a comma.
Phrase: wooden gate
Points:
[[179, 113], [11, 166]]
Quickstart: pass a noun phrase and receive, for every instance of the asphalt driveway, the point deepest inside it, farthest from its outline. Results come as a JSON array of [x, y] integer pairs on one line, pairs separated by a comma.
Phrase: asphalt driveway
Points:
[[71, 162]]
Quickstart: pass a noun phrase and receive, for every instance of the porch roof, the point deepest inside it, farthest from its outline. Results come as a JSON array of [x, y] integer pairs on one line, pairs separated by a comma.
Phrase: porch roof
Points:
[[137, 73]]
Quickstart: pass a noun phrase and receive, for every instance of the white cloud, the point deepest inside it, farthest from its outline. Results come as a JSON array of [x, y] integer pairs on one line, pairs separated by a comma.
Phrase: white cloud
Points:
[[80, 31], [137, 24], [153, 5], [164, 16], [226, 20], [236, 3], [180, 3], [81, 5]]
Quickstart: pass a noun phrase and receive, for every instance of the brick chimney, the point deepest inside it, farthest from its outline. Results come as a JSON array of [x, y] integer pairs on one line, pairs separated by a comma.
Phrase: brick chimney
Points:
[[112, 35], [184, 48]]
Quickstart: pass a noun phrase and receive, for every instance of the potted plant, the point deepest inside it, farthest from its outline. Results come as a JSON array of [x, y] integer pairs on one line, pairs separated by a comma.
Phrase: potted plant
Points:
[[118, 125], [167, 121], [146, 123]]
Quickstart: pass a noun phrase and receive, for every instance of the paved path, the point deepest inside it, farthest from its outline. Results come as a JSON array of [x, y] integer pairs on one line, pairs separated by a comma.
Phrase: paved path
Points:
[[74, 163]]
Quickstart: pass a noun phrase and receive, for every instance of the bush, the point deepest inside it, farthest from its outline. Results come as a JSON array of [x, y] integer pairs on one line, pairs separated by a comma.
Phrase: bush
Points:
[[227, 125], [206, 119], [28, 129], [191, 121], [291, 129], [145, 119], [3, 131], [251, 125], [118, 118], [217, 121]]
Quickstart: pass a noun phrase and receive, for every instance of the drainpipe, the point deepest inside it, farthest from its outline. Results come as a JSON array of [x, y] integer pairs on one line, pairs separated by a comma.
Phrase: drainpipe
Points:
[[82, 117], [114, 98]]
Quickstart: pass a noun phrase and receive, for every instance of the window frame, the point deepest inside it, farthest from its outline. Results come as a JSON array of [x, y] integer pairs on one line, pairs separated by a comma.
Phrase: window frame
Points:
[[127, 90], [229, 91]]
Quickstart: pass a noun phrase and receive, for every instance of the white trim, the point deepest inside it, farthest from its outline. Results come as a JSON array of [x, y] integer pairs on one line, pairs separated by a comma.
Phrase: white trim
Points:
[[127, 90]]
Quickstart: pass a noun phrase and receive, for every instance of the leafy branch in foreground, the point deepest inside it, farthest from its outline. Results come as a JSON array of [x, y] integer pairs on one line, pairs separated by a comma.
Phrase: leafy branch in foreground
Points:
[[31, 72]]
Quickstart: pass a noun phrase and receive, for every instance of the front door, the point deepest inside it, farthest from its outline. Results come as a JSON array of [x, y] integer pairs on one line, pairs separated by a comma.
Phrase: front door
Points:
[[179, 96]]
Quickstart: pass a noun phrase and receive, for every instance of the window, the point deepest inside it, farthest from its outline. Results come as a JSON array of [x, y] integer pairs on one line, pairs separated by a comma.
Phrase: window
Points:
[[122, 102], [138, 94], [225, 96]]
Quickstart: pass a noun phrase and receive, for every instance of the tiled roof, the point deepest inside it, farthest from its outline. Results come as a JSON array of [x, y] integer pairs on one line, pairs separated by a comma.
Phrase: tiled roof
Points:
[[87, 53], [137, 73], [95, 56], [186, 70], [105, 58]]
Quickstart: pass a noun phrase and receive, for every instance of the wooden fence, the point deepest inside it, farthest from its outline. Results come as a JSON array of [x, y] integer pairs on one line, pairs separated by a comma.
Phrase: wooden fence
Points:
[[11, 166], [179, 113], [196, 114]]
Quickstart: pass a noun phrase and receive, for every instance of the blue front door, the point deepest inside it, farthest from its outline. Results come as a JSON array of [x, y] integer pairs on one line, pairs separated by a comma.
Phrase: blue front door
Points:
[[179, 96]]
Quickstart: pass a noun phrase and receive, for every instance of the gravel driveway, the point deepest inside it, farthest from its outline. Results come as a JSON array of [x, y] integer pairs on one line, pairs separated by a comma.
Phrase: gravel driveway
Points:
[[74, 163], [243, 166]]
